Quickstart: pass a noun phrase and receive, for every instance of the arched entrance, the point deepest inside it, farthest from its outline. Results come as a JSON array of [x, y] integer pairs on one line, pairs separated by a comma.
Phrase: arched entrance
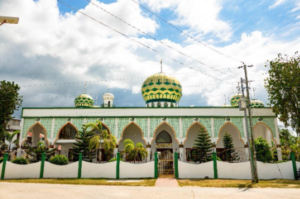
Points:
[[189, 141], [37, 132], [165, 143], [237, 141], [133, 132], [262, 130]]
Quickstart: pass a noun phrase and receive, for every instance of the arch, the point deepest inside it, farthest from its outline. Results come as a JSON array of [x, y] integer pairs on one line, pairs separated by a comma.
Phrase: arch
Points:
[[163, 136], [154, 133], [132, 123], [58, 133], [224, 125], [32, 126], [262, 123], [188, 130]]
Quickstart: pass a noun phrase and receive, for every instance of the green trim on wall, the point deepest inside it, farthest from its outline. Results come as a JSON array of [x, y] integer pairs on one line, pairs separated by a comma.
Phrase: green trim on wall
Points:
[[42, 165], [5, 157], [215, 165], [79, 165], [185, 124], [176, 165], [118, 166]]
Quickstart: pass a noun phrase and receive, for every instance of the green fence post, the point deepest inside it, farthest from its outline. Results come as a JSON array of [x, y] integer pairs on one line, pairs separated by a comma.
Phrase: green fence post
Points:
[[215, 165], [176, 164], [294, 165], [118, 166], [42, 165], [79, 165], [155, 165], [4, 165]]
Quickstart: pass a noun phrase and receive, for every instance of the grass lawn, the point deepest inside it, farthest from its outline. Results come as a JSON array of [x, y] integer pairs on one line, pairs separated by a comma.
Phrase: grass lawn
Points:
[[240, 183], [139, 182]]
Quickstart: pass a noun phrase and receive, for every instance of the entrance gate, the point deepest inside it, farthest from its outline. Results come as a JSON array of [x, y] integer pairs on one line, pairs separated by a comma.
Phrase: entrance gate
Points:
[[165, 164]]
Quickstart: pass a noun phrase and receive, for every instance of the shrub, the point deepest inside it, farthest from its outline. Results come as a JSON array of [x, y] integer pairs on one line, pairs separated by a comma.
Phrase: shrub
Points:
[[20, 161], [114, 159], [1, 160], [59, 160]]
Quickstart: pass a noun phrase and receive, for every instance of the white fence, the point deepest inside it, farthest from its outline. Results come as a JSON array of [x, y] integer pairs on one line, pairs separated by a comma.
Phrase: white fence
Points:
[[60, 171], [237, 170], [129, 170], [105, 170], [22, 171]]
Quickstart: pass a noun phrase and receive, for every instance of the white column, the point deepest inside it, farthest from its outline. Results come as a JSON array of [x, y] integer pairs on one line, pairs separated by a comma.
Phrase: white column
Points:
[[247, 154], [52, 128], [21, 133], [276, 131], [181, 154], [115, 152], [279, 154], [148, 157], [212, 127]]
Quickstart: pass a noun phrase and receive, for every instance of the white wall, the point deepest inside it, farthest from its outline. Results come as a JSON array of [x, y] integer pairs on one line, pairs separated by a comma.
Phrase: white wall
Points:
[[234, 170], [22, 171], [275, 171], [297, 165], [92, 170], [129, 170], [61, 171], [187, 170]]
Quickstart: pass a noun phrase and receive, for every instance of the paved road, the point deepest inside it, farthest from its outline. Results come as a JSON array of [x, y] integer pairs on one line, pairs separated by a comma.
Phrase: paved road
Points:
[[52, 191]]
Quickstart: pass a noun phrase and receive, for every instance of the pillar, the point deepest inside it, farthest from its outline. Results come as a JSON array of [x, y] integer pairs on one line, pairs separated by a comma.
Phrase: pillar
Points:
[[176, 164], [279, 154], [5, 157], [42, 165], [294, 166], [79, 165], [181, 154], [215, 165], [155, 165], [118, 166], [149, 152], [115, 151]]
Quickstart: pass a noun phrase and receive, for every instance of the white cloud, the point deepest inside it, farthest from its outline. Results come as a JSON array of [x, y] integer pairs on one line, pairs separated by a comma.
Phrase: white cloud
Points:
[[48, 48], [201, 16], [277, 3]]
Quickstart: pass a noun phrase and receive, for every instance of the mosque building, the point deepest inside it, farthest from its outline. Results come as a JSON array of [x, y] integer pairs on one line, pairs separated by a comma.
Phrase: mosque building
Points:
[[161, 125]]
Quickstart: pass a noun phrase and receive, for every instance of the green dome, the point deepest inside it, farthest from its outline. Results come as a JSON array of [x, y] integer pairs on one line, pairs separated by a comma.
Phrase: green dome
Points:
[[257, 104], [84, 100], [234, 101], [160, 87]]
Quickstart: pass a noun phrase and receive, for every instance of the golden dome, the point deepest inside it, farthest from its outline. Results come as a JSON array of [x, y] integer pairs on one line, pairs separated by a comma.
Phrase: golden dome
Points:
[[160, 87], [84, 100], [234, 101], [257, 104]]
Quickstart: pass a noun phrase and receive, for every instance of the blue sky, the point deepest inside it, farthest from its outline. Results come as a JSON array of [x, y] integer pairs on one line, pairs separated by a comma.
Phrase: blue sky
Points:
[[52, 44]]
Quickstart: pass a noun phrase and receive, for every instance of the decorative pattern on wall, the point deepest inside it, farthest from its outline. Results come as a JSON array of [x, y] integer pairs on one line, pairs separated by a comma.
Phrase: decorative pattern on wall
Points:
[[143, 123], [111, 124], [186, 123], [59, 122], [271, 124], [206, 122], [122, 122], [27, 123], [174, 122], [218, 123], [78, 122], [91, 119], [154, 122], [238, 122], [47, 123]]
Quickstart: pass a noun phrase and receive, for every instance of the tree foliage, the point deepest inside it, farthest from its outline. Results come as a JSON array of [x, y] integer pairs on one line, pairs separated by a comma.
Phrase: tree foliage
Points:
[[283, 88], [229, 150], [10, 100], [203, 147], [35, 154], [109, 141], [9, 137], [82, 145], [133, 152], [263, 150]]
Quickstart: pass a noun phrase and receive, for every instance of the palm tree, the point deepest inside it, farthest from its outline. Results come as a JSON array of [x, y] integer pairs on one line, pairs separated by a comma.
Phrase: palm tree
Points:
[[109, 141], [9, 137], [134, 151]]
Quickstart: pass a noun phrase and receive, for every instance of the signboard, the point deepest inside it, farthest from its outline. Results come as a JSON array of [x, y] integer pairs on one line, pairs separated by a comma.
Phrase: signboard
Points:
[[13, 20], [164, 145]]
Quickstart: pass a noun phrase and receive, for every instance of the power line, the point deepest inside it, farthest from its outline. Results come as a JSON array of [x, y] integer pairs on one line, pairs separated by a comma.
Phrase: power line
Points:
[[135, 40], [180, 52], [181, 31]]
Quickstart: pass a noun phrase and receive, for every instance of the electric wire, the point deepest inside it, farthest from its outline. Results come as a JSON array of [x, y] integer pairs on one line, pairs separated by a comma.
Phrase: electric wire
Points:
[[179, 62], [181, 31]]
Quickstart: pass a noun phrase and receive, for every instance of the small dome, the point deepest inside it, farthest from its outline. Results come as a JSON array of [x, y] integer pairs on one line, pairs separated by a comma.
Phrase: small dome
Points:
[[108, 96], [257, 104], [160, 87], [234, 101], [84, 100]]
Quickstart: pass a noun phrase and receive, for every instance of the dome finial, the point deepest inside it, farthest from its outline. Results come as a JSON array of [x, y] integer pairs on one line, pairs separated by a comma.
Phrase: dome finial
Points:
[[85, 88], [161, 65]]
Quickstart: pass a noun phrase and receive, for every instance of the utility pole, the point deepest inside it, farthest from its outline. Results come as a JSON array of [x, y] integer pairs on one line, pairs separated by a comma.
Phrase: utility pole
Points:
[[250, 137]]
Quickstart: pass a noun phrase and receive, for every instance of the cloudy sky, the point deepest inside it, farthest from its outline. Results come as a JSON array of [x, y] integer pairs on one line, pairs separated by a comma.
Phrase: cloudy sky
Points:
[[54, 49]]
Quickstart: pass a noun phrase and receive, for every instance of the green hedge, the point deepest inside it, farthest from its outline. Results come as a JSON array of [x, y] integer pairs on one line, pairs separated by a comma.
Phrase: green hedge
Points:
[[59, 160], [20, 161]]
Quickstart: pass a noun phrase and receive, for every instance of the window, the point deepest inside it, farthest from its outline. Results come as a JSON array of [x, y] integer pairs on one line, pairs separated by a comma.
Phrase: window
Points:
[[163, 137], [108, 103], [166, 104], [158, 104], [67, 132]]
